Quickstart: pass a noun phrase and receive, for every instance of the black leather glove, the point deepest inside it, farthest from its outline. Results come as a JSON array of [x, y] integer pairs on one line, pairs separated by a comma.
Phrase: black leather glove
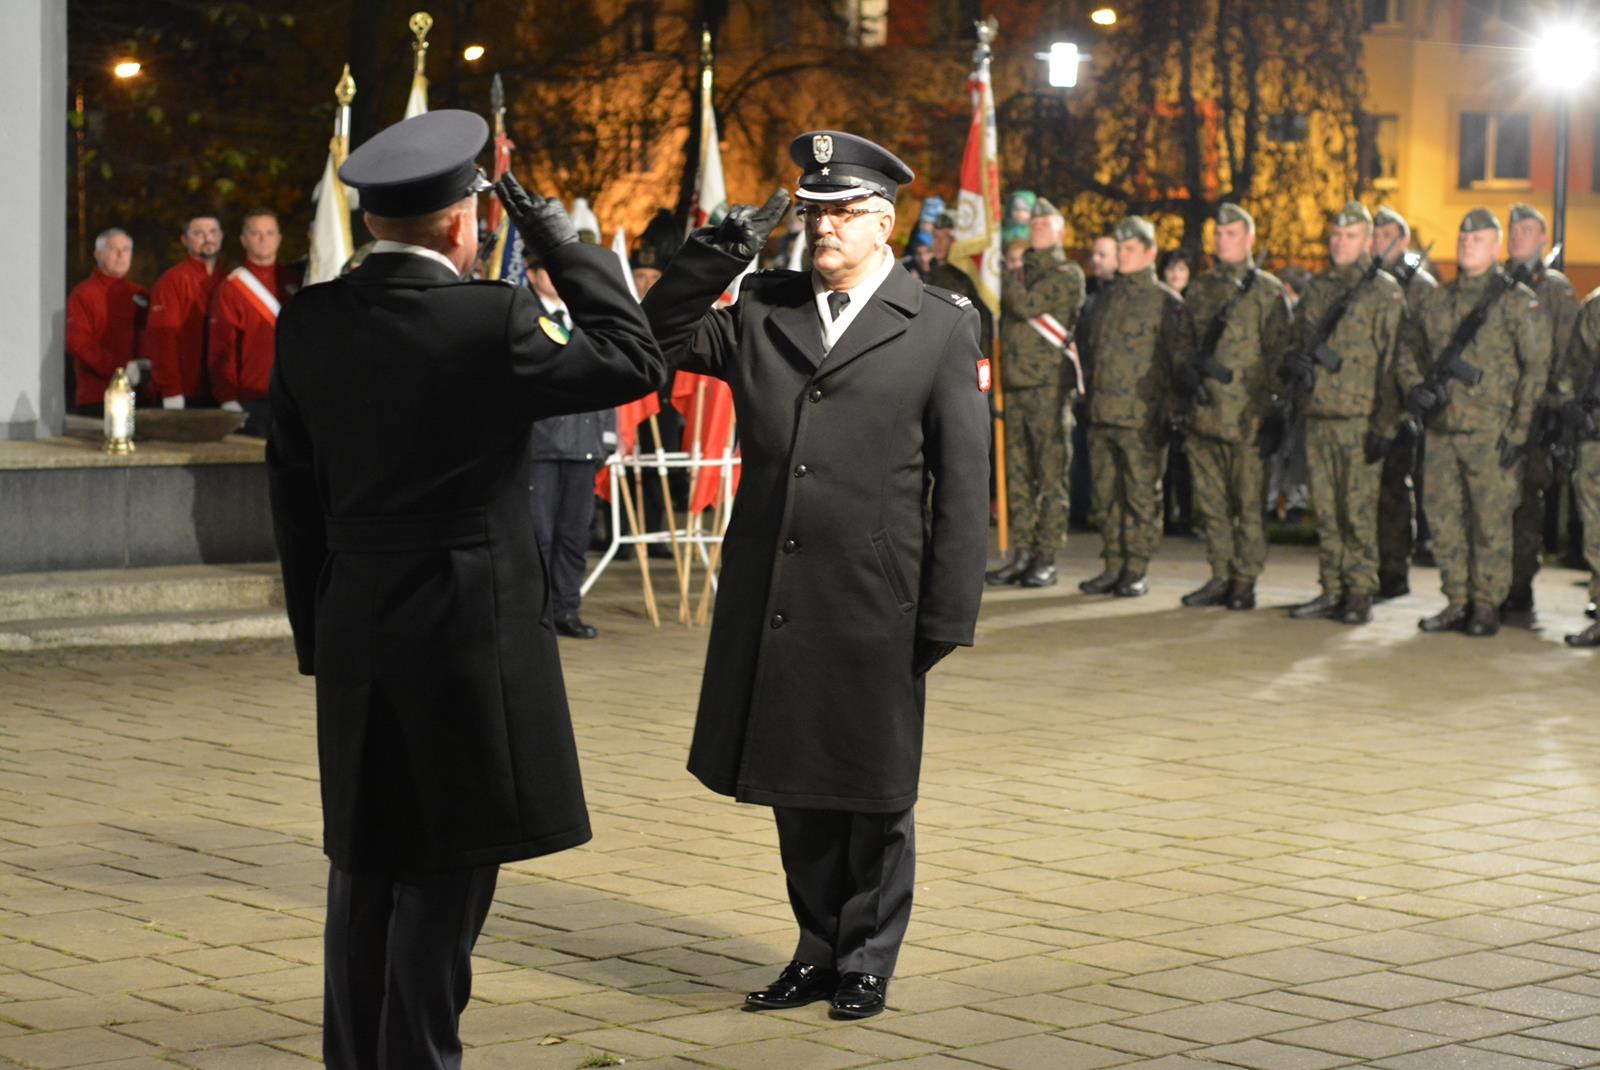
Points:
[[1299, 367], [1274, 432], [543, 224], [1406, 434], [1421, 400], [744, 230], [1511, 453], [1376, 447], [1186, 378], [927, 653], [1578, 421]]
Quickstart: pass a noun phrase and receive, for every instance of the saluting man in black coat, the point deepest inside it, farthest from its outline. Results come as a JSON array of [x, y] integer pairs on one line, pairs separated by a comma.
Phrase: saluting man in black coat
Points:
[[403, 398], [855, 556]]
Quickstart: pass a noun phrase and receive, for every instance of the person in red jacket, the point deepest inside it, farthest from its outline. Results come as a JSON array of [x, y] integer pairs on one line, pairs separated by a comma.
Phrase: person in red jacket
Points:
[[105, 321], [175, 339], [244, 322]]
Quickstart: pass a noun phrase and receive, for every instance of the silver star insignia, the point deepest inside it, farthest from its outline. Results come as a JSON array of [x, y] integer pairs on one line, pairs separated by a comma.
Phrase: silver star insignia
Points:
[[825, 171]]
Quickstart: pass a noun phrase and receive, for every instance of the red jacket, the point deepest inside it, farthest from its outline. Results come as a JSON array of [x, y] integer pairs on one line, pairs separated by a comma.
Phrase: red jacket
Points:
[[175, 340], [244, 329], [105, 324]]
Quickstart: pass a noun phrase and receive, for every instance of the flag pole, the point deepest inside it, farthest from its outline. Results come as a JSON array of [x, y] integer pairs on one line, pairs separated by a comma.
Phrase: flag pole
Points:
[[502, 147], [420, 23], [987, 30], [344, 93]]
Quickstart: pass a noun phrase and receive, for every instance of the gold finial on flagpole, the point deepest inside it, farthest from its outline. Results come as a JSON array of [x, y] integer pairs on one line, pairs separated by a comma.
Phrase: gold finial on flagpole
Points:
[[420, 22], [345, 91]]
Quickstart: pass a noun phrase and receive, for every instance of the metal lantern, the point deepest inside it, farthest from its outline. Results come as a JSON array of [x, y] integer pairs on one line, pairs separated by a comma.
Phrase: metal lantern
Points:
[[119, 414]]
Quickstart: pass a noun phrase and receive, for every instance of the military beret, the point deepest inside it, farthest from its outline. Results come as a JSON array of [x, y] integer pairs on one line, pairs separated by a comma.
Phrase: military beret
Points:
[[1043, 209], [1386, 216], [1228, 212], [419, 165], [1135, 228], [836, 166], [1479, 219], [944, 221], [1519, 212], [1351, 214]]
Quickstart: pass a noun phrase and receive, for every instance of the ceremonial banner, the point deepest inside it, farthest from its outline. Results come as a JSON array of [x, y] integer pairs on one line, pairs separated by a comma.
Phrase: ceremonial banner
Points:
[[715, 424], [710, 202], [619, 245], [331, 244], [976, 250]]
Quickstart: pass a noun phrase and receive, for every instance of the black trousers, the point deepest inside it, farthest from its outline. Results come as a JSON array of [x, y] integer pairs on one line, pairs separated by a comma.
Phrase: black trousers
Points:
[[850, 882], [397, 966], [563, 510]]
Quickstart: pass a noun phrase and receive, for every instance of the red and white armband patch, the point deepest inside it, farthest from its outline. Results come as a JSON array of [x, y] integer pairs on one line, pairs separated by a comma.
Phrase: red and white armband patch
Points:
[[985, 377]]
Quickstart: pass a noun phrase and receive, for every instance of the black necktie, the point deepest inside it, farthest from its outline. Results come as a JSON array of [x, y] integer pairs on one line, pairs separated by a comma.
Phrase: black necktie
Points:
[[837, 299], [560, 316]]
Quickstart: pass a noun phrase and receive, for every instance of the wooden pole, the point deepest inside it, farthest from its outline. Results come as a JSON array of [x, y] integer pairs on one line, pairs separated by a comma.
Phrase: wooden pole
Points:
[[639, 551], [678, 552]]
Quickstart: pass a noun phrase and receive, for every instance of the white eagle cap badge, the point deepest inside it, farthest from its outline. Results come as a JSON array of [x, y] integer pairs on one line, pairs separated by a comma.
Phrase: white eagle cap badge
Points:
[[822, 147]]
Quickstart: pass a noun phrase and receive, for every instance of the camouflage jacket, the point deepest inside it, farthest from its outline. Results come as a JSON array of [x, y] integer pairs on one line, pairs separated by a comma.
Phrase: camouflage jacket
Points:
[[947, 276], [1559, 303], [1369, 340], [1511, 349], [1138, 326], [1252, 348], [1583, 351], [1050, 284]]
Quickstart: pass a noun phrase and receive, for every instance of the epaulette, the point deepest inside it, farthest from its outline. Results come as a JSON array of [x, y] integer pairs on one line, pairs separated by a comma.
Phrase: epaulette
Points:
[[959, 300]]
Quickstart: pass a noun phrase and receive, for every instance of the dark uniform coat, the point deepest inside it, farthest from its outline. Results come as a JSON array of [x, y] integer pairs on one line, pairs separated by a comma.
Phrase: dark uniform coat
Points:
[[403, 399], [837, 557]]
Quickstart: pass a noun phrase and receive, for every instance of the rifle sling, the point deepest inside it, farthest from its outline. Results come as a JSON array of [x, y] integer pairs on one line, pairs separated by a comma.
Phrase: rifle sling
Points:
[[1208, 346]]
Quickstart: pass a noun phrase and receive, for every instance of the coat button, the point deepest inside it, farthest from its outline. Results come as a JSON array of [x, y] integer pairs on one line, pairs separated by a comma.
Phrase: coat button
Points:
[[816, 395], [790, 546], [777, 620], [800, 470]]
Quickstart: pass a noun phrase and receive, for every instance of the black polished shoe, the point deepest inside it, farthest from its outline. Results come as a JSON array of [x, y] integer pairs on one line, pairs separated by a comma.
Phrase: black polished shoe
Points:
[[1323, 607], [1104, 583], [1242, 594], [1131, 585], [1214, 593], [1042, 573], [1449, 619], [1357, 609], [1483, 622], [1393, 587], [798, 985], [1016, 566], [1520, 600], [1589, 637], [860, 995], [572, 627]]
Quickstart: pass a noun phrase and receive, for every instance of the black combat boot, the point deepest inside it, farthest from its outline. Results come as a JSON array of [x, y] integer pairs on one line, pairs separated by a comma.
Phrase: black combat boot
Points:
[[1452, 618], [1394, 585], [1131, 584], [1042, 573], [1214, 593], [1016, 566], [1589, 637], [1323, 607], [1357, 609], [1103, 583], [1242, 594], [1484, 621], [1520, 600]]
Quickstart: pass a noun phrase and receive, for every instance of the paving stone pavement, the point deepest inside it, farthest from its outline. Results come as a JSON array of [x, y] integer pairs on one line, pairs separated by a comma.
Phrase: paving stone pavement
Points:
[[1149, 837]]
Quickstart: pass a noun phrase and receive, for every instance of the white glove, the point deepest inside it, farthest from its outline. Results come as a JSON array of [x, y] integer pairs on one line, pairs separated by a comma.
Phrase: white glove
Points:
[[232, 406], [172, 402], [136, 371]]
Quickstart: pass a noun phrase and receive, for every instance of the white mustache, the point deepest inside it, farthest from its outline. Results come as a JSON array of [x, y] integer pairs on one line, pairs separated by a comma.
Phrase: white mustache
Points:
[[826, 243]]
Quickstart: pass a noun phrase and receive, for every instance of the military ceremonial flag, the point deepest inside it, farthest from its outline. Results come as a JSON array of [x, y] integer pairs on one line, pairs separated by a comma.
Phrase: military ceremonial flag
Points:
[[710, 202], [976, 249], [619, 246], [331, 243], [417, 103]]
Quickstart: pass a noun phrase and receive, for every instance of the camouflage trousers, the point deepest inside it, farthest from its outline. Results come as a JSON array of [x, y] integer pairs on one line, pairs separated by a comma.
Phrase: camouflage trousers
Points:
[[1527, 524], [1586, 496], [1344, 495], [1230, 485], [1038, 451], [1125, 469], [1470, 501], [1397, 494]]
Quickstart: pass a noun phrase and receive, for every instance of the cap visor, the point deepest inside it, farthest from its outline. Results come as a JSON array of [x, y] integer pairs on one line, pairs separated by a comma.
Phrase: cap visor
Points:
[[848, 193]]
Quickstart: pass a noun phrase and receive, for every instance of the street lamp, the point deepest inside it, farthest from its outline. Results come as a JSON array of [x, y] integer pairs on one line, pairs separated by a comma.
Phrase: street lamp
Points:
[[127, 68], [1064, 59], [1564, 60], [1103, 16], [472, 53]]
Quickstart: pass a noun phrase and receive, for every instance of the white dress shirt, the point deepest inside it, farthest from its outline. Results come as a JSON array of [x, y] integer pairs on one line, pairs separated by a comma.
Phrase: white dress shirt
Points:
[[833, 329], [387, 246]]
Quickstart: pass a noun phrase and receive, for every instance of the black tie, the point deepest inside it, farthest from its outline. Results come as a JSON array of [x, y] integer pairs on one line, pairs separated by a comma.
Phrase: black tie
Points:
[[837, 299], [560, 316]]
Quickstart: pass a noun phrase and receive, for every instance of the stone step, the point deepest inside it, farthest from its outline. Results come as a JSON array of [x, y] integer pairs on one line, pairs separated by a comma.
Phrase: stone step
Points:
[[142, 629], [90, 596]]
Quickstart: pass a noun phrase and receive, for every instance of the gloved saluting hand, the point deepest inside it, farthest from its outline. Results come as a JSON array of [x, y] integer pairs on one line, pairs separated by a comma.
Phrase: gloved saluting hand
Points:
[[543, 224], [744, 230]]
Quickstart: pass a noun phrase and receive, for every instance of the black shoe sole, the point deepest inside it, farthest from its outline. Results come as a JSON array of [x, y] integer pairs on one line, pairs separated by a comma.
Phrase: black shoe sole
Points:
[[844, 1014], [790, 1005]]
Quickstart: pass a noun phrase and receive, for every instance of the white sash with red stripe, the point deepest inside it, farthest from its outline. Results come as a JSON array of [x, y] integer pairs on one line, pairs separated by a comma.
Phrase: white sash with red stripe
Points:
[[261, 299], [1053, 331]]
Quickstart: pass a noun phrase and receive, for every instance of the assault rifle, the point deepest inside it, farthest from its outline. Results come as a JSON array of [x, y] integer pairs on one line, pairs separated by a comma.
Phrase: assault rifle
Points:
[[1205, 365], [1576, 422]]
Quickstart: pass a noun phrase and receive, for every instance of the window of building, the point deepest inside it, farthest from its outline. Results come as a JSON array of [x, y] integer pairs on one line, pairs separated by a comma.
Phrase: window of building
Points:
[[866, 22], [1382, 166], [1385, 13], [1496, 150], [1484, 20]]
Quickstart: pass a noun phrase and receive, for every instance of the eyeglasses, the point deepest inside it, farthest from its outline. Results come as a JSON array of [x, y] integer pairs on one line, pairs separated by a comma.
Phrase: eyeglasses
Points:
[[837, 214]]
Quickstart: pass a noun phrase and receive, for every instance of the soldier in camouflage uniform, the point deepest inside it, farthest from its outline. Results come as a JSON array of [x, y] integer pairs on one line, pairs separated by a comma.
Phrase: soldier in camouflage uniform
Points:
[[946, 275], [1401, 522], [1582, 358], [1477, 435], [1138, 326], [1351, 414], [1525, 240], [1225, 454], [1038, 311]]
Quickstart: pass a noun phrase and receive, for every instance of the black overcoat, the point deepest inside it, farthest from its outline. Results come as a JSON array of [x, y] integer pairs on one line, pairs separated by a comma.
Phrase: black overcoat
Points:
[[403, 399], [860, 524]]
